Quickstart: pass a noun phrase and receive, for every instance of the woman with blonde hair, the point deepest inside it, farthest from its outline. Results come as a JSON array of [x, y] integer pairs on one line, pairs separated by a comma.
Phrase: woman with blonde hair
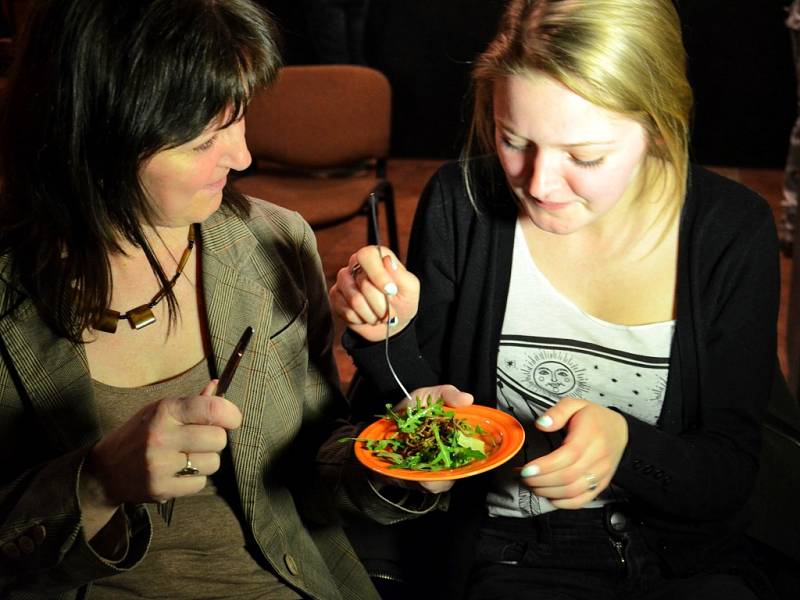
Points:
[[577, 272]]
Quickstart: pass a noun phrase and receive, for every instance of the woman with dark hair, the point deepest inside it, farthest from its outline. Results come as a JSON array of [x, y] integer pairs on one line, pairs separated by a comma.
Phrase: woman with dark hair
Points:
[[576, 271], [129, 270]]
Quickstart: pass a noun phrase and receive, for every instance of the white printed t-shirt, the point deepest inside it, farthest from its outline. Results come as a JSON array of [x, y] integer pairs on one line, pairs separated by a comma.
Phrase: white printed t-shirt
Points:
[[549, 349]]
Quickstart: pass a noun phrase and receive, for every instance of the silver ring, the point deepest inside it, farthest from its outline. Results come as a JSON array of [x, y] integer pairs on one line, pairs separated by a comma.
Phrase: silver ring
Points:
[[354, 270], [189, 469], [591, 482]]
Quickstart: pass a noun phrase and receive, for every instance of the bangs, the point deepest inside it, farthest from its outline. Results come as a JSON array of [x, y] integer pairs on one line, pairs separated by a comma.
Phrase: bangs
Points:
[[212, 62], [227, 65]]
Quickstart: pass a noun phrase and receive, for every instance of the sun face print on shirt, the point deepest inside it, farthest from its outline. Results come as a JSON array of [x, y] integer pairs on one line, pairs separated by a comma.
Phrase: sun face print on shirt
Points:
[[555, 373], [554, 377], [534, 373], [540, 371]]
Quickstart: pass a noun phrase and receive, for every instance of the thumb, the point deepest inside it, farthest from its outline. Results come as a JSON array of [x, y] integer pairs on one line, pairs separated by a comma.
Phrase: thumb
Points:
[[450, 394], [210, 388], [454, 397], [204, 410], [436, 487], [556, 418]]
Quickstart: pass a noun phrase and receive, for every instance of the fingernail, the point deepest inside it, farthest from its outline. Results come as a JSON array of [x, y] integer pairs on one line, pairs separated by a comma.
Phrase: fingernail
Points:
[[393, 321], [544, 421], [393, 263], [530, 471], [390, 289]]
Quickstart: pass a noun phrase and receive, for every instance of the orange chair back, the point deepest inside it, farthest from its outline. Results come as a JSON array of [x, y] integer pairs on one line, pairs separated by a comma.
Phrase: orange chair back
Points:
[[320, 116]]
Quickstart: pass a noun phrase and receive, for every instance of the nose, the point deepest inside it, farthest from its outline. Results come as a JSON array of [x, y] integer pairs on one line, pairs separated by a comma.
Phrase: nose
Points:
[[235, 156], [544, 176]]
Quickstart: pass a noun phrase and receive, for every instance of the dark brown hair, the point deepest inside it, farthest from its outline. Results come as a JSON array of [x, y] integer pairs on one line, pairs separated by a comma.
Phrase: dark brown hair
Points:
[[98, 87]]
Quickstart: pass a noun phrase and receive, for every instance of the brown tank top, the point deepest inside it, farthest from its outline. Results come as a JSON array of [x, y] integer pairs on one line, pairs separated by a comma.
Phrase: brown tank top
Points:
[[205, 552]]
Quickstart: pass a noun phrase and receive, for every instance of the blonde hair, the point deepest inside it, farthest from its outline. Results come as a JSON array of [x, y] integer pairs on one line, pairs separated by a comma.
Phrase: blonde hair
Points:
[[625, 56]]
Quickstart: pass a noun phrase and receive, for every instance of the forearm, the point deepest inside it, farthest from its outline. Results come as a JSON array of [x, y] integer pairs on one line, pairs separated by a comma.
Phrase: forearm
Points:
[[96, 507], [47, 499], [380, 386], [360, 491], [694, 476]]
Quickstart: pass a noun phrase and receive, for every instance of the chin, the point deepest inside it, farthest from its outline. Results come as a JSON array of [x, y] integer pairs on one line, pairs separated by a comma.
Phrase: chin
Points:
[[210, 208], [560, 228], [556, 226]]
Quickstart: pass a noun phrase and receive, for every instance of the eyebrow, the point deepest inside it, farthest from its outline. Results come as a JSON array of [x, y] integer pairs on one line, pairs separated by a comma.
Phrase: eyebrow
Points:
[[569, 145], [597, 143]]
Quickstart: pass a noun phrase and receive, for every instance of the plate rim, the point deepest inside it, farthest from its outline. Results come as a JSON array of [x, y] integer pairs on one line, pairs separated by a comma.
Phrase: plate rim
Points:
[[508, 423]]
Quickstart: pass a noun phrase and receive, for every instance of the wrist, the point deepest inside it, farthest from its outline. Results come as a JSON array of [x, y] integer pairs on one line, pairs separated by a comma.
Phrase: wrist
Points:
[[358, 337], [93, 486]]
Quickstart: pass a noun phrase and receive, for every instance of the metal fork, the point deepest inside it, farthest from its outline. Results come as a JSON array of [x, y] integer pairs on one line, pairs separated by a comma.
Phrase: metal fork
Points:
[[377, 233]]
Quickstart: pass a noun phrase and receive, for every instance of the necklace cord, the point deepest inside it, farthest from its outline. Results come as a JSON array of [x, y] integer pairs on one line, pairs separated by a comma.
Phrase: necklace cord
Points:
[[141, 316]]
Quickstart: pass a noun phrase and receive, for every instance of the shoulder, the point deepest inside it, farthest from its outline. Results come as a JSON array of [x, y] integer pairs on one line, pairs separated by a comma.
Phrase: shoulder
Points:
[[480, 173], [720, 208], [270, 222], [444, 189], [266, 241], [264, 225], [727, 230], [468, 189], [449, 175], [711, 194]]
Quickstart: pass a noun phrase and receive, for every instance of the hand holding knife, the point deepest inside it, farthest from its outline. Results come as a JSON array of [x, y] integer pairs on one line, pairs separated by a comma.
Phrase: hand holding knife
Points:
[[165, 509]]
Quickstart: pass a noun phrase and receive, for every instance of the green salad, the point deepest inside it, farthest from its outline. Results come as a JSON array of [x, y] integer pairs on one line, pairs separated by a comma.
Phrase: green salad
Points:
[[429, 437]]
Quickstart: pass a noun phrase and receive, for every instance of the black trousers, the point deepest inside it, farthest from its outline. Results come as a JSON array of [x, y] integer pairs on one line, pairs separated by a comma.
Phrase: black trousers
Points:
[[590, 554]]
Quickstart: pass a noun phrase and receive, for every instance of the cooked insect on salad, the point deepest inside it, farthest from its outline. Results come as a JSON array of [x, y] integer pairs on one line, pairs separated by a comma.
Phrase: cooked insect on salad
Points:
[[429, 437]]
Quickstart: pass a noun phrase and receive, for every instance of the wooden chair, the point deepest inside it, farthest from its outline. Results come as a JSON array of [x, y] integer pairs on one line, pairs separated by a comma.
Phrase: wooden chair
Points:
[[319, 137]]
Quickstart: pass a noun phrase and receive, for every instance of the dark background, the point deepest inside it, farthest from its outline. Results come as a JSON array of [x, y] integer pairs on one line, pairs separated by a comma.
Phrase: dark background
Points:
[[739, 65]]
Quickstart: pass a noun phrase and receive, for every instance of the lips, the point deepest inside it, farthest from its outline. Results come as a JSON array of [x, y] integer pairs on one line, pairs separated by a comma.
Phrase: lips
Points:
[[217, 185], [550, 206]]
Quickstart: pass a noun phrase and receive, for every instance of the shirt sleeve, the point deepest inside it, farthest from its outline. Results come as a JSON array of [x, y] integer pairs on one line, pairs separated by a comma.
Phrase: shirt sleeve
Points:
[[42, 544]]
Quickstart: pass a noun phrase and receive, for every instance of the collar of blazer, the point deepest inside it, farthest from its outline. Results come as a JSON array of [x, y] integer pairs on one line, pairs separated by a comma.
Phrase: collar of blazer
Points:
[[237, 294]]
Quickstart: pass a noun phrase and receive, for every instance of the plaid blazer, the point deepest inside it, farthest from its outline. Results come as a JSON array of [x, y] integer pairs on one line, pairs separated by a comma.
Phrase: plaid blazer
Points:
[[263, 271]]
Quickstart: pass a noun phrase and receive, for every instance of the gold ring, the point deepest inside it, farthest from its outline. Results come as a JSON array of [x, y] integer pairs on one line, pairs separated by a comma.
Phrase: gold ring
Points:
[[189, 469]]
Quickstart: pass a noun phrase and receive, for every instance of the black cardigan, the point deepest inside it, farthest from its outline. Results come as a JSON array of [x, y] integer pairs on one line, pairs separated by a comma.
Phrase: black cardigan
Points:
[[691, 475]]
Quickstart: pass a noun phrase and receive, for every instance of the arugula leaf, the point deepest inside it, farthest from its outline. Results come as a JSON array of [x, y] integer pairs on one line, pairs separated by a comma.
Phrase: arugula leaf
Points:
[[472, 443], [428, 438]]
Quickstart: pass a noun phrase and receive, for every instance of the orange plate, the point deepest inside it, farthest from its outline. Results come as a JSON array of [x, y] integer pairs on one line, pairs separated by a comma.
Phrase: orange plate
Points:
[[501, 427]]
